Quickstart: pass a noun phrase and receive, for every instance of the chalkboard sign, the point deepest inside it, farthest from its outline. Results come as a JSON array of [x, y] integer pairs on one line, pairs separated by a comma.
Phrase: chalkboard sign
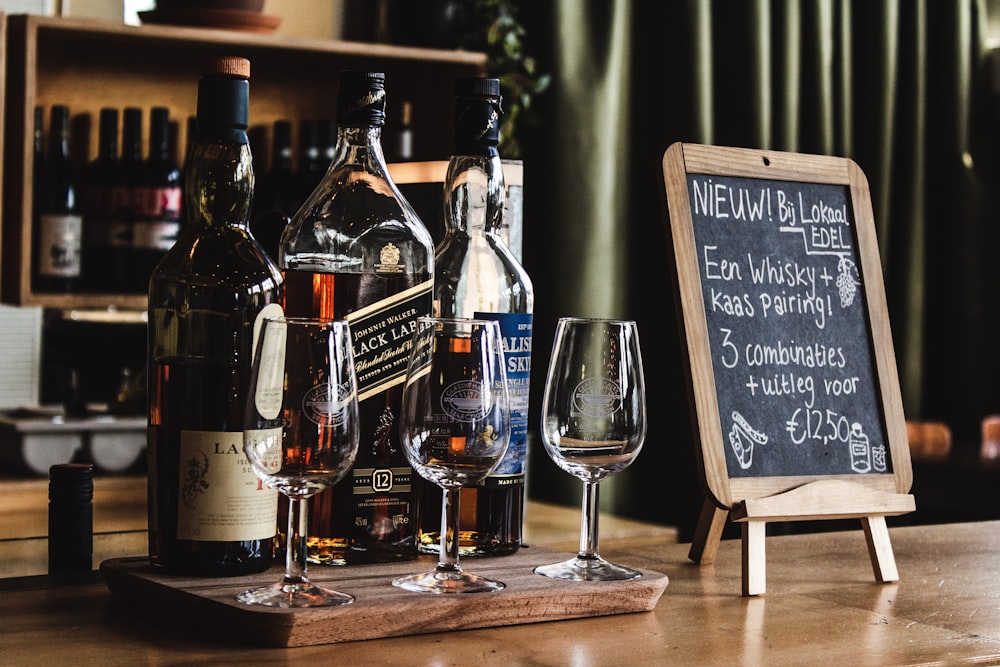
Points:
[[791, 369], [787, 327]]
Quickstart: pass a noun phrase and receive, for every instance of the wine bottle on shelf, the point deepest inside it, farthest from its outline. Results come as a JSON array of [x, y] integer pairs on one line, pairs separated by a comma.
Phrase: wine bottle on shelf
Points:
[[477, 275], [158, 203], [208, 512], [357, 250], [272, 201], [38, 149], [402, 136], [124, 193], [58, 237], [99, 181], [311, 160]]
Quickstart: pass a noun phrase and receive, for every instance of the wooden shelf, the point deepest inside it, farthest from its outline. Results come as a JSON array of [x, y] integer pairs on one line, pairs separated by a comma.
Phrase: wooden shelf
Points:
[[88, 64]]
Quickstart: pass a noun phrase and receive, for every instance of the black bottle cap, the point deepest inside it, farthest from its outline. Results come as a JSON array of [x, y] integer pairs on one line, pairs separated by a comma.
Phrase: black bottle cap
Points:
[[361, 98], [476, 86], [72, 482], [224, 99], [478, 108]]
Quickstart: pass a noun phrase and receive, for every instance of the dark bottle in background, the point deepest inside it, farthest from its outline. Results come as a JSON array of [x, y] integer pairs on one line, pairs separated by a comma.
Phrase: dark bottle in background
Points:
[[477, 275], [208, 512], [400, 148], [124, 193], [157, 207], [58, 216], [38, 151], [272, 201], [357, 250], [311, 161], [99, 181]]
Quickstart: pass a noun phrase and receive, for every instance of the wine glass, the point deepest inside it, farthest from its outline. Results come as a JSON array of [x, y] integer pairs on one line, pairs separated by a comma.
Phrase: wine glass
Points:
[[455, 427], [593, 424], [300, 435]]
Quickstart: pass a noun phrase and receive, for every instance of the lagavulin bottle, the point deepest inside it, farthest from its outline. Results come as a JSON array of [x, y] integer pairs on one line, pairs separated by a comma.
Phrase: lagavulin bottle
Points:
[[208, 512], [477, 275], [357, 250]]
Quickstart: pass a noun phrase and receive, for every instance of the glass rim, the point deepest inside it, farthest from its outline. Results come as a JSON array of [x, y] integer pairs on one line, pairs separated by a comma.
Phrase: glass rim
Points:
[[595, 320], [299, 319]]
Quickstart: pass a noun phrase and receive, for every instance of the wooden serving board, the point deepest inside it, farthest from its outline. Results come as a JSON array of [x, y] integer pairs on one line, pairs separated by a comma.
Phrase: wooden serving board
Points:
[[380, 609]]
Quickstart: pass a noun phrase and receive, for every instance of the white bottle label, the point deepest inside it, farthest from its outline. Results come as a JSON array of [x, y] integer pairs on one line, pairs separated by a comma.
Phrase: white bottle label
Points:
[[59, 245], [221, 499]]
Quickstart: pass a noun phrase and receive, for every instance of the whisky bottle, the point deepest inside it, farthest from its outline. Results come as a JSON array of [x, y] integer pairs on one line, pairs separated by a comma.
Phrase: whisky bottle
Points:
[[58, 237], [357, 250], [208, 512], [99, 180], [477, 275], [157, 206]]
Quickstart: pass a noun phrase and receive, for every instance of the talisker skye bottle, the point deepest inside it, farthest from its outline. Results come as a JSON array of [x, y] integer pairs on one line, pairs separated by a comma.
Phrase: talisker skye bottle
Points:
[[208, 512], [477, 275], [357, 250]]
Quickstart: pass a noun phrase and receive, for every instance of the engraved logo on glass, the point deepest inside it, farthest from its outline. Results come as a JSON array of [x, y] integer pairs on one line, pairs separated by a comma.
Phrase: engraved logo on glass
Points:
[[597, 397], [324, 404], [466, 401]]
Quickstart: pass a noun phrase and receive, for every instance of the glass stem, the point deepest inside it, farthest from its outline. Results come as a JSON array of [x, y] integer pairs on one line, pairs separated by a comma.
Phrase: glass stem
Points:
[[295, 552], [588, 523], [448, 558]]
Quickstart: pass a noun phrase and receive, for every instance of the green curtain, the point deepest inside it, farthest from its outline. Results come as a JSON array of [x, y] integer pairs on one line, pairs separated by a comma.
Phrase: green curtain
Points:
[[900, 86]]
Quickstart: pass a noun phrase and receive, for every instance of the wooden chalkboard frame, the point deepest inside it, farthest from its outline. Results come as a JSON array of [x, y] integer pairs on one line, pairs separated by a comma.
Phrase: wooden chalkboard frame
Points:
[[757, 500]]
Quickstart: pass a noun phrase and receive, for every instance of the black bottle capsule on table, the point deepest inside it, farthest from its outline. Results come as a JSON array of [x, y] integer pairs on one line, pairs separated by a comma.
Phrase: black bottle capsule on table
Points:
[[71, 518]]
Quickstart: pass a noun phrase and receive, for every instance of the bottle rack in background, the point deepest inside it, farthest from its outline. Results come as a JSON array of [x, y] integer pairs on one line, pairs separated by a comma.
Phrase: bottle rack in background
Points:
[[145, 66]]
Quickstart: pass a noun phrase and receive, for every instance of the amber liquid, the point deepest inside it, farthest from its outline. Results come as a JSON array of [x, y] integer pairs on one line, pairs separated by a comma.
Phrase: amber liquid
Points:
[[346, 527]]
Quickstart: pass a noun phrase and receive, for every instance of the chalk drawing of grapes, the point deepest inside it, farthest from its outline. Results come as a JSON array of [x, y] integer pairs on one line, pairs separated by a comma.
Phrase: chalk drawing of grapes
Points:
[[847, 281]]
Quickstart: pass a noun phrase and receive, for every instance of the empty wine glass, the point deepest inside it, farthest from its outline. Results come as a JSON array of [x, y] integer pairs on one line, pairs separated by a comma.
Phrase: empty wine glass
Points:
[[301, 435], [455, 427], [593, 424]]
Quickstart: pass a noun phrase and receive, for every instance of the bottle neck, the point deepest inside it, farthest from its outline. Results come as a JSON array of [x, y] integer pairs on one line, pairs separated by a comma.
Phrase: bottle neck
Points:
[[218, 184], [361, 147], [474, 195]]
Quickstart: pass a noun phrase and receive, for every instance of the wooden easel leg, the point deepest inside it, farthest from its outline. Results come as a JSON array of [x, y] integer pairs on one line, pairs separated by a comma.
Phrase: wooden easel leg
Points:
[[754, 561], [707, 533], [880, 549]]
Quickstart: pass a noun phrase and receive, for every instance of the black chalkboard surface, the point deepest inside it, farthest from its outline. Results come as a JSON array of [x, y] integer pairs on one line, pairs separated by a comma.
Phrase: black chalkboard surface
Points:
[[790, 365], [787, 327]]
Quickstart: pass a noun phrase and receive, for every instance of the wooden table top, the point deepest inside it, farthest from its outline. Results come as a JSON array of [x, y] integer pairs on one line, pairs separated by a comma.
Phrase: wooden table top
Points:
[[822, 606]]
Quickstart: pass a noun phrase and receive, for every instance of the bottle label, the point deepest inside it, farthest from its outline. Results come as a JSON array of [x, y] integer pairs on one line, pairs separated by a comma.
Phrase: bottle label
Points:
[[157, 213], [515, 331], [271, 372], [220, 497], [381, 338], [59, 245]]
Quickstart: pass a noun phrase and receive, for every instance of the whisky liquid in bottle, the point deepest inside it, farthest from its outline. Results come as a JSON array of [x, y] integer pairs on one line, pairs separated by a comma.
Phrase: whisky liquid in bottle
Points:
[[208, 512], [477, 275], [357, 250], [58, 237]]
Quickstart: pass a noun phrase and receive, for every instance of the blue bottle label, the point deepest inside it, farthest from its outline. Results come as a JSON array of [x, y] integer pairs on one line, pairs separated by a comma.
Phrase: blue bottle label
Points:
[[515, 329]]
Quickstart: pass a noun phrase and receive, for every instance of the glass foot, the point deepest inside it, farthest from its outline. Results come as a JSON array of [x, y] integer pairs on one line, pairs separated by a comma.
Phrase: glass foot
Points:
[[447, 581], [294, 594], [587, 569]]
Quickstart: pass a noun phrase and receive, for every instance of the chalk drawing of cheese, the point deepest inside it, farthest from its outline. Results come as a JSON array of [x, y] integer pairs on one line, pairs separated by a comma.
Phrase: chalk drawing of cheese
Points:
[[742, 437]]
